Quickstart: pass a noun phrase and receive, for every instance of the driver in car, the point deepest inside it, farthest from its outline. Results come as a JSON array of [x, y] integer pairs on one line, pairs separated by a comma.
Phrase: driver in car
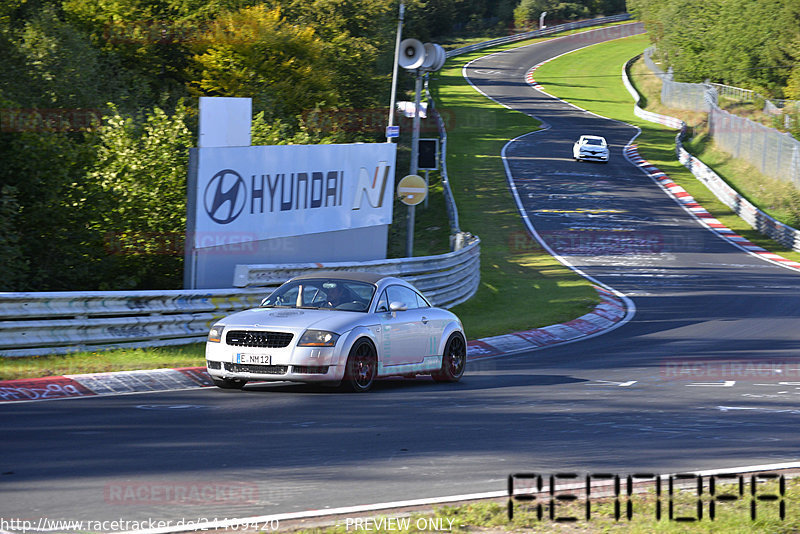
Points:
[[336, 295]]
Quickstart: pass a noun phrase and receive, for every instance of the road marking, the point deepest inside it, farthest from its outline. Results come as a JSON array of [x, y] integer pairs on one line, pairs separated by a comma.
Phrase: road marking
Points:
[[725, 384], [170, 406], [612, 383]]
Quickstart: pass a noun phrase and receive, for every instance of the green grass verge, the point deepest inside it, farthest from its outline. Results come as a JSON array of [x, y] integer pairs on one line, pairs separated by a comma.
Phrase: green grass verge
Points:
[[521, 286], [103, 361], [598, 87]]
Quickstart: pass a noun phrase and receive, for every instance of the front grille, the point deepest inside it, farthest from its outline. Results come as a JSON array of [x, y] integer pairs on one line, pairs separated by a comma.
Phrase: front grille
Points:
[[310, 369], [256, 369], [213, 365], [258, 338]]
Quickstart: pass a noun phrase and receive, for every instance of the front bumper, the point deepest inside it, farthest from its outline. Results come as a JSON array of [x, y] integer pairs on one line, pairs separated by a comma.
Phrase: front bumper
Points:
[[593, 157], [296, 364]]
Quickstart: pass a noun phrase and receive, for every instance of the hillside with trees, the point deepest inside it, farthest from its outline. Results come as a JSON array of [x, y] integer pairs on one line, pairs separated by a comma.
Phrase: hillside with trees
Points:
[[755, 45], [98, 105]]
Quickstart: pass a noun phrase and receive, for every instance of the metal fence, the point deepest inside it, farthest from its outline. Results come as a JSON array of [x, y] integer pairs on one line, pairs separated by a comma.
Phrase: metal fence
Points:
[[734, 93], [772, 152], [760, 221], [678, 95]]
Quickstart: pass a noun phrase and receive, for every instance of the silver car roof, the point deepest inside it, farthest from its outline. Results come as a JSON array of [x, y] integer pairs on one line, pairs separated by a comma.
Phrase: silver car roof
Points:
[[369, 278]]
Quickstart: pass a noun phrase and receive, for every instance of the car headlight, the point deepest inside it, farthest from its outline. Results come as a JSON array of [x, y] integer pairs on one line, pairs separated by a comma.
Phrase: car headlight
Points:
[[215, 334], [318, 338]]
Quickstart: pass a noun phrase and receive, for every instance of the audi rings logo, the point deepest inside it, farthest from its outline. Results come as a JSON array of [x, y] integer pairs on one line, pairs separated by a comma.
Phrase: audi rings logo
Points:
[[225, 196]]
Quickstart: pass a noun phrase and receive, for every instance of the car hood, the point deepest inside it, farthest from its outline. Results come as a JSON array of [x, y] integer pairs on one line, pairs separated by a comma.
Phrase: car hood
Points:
[[296, 319]]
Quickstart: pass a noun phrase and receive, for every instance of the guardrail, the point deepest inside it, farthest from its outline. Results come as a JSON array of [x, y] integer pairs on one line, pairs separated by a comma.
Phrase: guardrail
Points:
[[760, 221], [446, 280], [537, 33], [450, 201], [33, 324]]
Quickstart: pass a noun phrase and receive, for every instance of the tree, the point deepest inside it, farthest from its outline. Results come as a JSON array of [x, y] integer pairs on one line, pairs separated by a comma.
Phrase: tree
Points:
[[139, 186], [688, 37], [527, 12], [737, 42], [255, 52], [13, 265]]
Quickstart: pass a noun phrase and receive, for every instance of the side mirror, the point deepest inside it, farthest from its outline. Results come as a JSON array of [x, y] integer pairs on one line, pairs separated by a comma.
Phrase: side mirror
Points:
[[397, 306]]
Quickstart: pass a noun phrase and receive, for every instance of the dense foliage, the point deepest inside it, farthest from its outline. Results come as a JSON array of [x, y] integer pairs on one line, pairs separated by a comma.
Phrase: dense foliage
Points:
[[528, 11], [98, 107], [749, 44]]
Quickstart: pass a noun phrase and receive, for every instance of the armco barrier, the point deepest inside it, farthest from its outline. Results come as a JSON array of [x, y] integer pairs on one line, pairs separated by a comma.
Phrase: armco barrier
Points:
[[446, 280], [55, 323], [449, 199], [760, 221], [34, 324]]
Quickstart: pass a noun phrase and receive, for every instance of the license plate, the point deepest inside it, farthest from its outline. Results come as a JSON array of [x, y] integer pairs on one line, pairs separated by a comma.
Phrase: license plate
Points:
[[261, 359]]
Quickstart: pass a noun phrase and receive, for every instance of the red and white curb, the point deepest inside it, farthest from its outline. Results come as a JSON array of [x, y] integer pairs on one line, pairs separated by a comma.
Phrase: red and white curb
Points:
[[688, 202], [94, 384], [605, 315], [532, 81]]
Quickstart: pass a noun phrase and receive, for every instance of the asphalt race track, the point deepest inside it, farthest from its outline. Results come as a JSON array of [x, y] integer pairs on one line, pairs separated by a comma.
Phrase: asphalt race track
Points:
[[614, 403]]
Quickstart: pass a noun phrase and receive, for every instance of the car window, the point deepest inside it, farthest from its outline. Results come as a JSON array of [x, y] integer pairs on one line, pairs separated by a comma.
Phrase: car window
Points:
[[383, 303], [407, 296], [329, 293]]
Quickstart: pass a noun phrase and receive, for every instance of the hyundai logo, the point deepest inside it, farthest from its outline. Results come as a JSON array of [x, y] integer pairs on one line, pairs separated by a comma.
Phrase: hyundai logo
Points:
[[225, 196]]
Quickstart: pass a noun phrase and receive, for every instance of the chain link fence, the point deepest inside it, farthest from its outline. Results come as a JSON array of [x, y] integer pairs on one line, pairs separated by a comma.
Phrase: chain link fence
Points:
[[677, 95], [774, 153]]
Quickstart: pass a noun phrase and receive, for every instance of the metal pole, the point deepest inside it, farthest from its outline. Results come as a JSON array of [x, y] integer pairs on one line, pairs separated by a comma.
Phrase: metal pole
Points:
[[427, 186], [415, 132], [394, 69], [414, 162]]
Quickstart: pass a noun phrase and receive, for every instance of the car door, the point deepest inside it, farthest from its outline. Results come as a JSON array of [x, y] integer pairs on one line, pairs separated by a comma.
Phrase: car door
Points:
[[405, 335]]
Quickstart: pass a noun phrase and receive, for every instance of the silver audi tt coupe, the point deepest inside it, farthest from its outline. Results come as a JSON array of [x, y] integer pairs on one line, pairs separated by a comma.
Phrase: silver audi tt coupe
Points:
[[345, 328]]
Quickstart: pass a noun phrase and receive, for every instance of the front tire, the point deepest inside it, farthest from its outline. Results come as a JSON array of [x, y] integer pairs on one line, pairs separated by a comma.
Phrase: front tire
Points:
[[454, 360], [361, 367], [228, 383]]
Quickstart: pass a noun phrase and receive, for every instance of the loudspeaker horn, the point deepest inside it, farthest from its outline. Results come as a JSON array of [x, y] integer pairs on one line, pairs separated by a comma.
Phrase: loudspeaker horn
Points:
[[435, 57], [412, 54]]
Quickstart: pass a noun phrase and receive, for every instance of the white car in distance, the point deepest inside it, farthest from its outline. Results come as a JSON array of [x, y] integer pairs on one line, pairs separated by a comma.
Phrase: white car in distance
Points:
[[590, 148], [345, 328]]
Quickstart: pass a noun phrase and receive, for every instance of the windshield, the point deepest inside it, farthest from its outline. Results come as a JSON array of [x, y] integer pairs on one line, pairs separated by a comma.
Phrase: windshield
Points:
[[327, 293], [597, 142]]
